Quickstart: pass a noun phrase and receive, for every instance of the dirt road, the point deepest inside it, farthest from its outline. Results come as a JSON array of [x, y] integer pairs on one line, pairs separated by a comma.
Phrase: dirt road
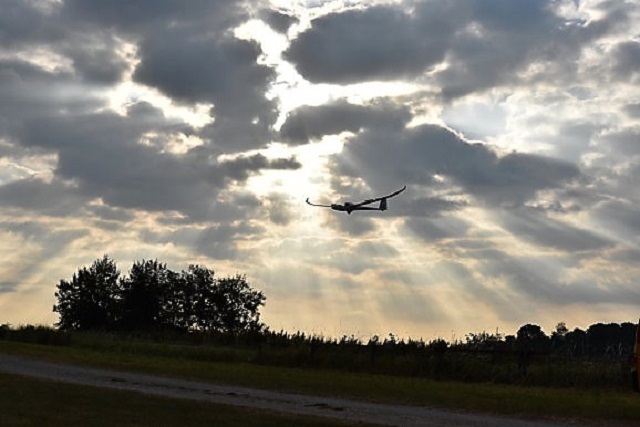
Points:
[[345, 409]]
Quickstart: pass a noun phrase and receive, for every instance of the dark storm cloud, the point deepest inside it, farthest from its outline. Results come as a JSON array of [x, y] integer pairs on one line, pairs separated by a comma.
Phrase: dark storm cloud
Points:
[[498, 40], [28, 91], [278, 21], [185, 51], [22, 23], [95, 58], [55, 198], [93, 54], [193, 63], [209, 63], [103, 155], [626, 57], [142, 17], [483, 43], [425, 206], [415, 155], [435, 229], [377, 43], [308, 122], [354, 224], [241, 167], [190, 67]]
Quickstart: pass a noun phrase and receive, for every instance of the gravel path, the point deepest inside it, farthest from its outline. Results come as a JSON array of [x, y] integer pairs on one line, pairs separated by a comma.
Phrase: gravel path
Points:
[[345, 409]]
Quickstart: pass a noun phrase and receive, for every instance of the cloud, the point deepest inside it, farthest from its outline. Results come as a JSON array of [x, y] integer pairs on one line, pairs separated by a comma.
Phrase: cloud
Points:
[[460, 46], [539, 229], [278, 21], [140, 18], [28, 91], [223, 71], [104, 155], [354, 225], [623, 141], [416, 155], [219, 241], [313, 122], [32, 194], [633, 110], [24, 23], [543, 281], [107, 213], [375, 43], [620, 218], [626, 60], [96, 58], [97, 45], [241, 167], [279, 209], [435, 229], [376, 249]]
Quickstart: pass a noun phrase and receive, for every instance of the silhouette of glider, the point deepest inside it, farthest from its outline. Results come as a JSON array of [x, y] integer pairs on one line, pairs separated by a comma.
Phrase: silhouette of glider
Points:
[[349, 207]]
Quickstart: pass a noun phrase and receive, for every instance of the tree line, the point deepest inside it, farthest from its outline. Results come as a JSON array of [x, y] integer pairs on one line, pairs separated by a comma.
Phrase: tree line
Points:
[[153, 298], [598, 340]]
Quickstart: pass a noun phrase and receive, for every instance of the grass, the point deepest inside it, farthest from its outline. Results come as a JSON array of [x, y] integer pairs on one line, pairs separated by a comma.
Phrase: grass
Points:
[[32, 402], [594, 404]]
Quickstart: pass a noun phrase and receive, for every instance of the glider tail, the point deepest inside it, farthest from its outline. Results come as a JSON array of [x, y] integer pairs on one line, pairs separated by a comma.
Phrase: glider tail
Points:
[[383, 204]]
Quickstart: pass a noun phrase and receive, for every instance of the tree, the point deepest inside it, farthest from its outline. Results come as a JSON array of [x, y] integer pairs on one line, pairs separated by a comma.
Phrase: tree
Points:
[[90, 300], [153, 297], [177, 304], [226, 305], [235, 306], [532, 338], [198, 288], [576, 342], [610, 339], [559, 336], [144, 295]]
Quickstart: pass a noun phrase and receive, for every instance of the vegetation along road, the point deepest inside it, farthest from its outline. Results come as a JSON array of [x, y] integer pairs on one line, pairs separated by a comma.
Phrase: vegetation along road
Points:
[[338, 408]]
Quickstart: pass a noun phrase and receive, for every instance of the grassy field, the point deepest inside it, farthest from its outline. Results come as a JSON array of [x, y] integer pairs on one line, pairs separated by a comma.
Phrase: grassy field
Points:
[[504, 399], [32, 402]]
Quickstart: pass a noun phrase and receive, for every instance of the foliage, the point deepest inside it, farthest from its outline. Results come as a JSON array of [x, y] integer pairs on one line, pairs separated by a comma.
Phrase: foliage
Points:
[[482, 357], [90, 300], [155, 298], [236, 305]]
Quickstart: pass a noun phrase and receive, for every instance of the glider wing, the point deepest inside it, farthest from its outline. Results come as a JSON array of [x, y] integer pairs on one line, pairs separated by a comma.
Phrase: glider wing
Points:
[[314, 204], [377, 199]]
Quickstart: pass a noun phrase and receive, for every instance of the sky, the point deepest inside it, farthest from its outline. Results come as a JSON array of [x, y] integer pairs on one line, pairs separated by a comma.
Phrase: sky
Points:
[[192, 133]]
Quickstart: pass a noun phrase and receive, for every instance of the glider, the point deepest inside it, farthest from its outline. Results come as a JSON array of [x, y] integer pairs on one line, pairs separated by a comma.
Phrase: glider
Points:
[[349, 207]]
